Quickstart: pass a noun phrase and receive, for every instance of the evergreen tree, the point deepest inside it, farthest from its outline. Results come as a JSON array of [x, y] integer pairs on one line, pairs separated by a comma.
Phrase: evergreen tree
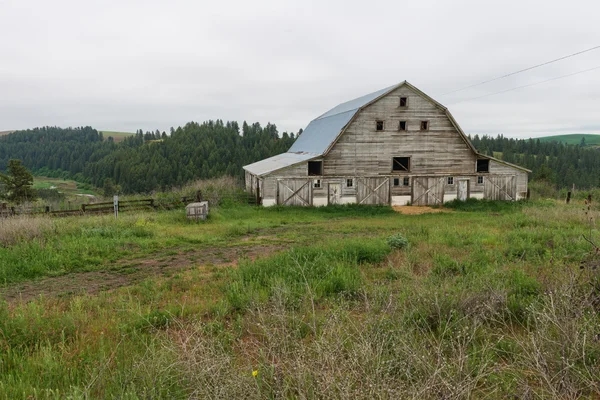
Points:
[[17, 184]]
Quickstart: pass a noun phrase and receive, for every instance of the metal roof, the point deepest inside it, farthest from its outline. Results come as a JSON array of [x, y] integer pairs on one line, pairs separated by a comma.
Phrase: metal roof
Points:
[[268, 165], [322, 131]]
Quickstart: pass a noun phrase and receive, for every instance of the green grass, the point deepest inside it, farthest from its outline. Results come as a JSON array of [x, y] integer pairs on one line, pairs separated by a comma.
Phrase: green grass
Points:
[[590, 139], [68, 187], [117, 136], [489, 300]]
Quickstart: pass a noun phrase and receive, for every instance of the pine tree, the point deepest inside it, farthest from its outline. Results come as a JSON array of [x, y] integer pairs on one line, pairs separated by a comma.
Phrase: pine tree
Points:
[[17, 185]]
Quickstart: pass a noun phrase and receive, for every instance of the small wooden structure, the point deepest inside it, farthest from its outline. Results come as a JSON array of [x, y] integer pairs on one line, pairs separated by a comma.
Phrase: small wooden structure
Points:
[[396, 146], [197, 211]]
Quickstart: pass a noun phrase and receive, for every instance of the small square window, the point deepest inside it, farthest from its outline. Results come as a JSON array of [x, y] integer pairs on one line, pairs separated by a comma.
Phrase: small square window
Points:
[[396, 181], [317, 183], [480, 180], [403, 101], [401, 164], [424, 125], [483, 165], [450, 180], [379, 125], [406, 181], [402, 126], [349, 182]]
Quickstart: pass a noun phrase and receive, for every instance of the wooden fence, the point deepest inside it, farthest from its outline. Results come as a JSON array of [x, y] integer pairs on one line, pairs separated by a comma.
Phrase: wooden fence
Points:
[[108, 207]]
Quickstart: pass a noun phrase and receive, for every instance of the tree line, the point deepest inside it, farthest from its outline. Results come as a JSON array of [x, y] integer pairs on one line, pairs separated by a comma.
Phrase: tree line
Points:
[[560, 164], [144, 162]]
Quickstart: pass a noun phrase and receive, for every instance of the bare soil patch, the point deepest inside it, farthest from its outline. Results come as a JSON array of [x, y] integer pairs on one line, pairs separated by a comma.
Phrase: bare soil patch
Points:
[[417, 210], [129, 272]]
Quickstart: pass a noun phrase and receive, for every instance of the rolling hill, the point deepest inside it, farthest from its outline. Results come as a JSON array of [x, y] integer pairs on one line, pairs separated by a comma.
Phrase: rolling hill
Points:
[[575, 138], [117, 136]]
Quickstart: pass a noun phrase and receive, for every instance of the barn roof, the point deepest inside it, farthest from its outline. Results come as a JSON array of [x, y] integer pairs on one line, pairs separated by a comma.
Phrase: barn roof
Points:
[[278, 162]]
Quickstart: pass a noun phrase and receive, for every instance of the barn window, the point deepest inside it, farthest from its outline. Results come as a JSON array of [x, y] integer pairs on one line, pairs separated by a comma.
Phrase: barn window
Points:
[[483, 165], [424, 125], [379, 125], [450, 180], [315, 168], [403, 101], [401, 164], [402, 126], [480, 179], [396, 181], [349, 182], [317, 183], [406, 181]]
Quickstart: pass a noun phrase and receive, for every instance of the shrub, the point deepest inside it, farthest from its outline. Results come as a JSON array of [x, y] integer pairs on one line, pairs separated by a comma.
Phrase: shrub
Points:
[[397, 241]]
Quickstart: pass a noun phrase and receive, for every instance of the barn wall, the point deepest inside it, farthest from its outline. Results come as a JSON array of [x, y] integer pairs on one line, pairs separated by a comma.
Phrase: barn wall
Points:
[[363, 151], [522, 176]]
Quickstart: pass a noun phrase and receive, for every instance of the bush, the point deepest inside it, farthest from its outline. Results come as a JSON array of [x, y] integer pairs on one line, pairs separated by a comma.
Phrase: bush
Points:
[[397, 241]]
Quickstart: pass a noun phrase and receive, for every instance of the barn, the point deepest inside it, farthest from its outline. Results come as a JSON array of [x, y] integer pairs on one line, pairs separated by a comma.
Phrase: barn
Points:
[[396, 146]]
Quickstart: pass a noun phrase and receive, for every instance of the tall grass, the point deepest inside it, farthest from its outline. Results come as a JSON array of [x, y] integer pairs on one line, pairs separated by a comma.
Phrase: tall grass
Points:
[[15, 230]]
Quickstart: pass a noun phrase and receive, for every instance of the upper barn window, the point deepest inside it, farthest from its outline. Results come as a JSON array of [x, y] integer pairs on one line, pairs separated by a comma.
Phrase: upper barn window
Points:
[[379, 125], [401, 164], [403, 101], [402, 126], [315, 168], [424, 125], [483, 165]]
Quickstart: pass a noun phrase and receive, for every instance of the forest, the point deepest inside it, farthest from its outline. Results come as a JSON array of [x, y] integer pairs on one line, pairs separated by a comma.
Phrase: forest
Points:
[[150, 161]]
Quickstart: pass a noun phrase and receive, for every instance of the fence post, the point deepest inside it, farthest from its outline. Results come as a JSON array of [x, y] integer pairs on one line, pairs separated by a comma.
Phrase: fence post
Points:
[[83, 208], [568, 197], [47, 209], [116, 206]]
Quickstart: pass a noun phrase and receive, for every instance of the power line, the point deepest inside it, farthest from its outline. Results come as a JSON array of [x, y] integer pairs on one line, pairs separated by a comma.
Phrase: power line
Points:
[[522, 70], [529, 85]]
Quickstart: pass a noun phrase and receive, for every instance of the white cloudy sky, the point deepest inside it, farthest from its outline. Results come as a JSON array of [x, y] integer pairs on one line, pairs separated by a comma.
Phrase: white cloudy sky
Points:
[[128, 64]]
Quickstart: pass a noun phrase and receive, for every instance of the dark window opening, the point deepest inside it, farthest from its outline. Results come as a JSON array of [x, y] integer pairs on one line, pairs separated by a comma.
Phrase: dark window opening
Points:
[[406, 181], [424, 125], [401, 164], [480, 179], [450, 180], [403, 101], [349, 182], [315, 168], [396, 181], [379, 125], [402, 126], [483, 165], [317, 183]]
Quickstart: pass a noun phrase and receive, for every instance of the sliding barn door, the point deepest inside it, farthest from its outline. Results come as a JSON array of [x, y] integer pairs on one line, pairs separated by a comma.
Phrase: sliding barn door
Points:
[[500, 187], [373, 191], [428, 191], [294, 192]]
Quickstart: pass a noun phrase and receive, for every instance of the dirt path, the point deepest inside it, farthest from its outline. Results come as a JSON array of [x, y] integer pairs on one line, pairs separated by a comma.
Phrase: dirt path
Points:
[[131, 271], [417, 210]]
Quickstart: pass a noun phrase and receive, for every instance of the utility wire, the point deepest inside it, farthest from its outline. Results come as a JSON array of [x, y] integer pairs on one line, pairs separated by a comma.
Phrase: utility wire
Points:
[[529, 85], [522, 70]]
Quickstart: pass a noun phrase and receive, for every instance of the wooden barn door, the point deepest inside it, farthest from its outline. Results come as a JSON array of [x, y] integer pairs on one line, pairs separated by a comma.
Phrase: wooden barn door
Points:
[[428, 191], [335, 193], [500, 187], [373, 191], [294, 192]]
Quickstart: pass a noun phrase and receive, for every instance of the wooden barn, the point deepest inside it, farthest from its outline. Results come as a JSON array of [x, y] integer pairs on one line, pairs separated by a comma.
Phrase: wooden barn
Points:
[[396, 146]]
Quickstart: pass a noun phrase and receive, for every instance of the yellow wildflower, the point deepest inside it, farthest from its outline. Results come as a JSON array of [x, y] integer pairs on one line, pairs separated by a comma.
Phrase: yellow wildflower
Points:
[[255, 373]]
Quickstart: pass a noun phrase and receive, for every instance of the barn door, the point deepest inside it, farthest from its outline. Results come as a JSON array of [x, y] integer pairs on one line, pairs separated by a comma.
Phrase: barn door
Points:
[[373, 191], [463, 189], [500, 187], [428, 191], [294, 192], [335, 193]]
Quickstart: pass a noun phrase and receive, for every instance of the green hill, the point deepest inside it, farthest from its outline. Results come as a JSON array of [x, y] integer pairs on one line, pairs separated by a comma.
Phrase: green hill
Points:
[[590, 139], [117, 136]]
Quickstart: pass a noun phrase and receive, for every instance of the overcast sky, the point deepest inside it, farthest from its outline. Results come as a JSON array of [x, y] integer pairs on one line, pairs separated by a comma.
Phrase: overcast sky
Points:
[[125, 65]]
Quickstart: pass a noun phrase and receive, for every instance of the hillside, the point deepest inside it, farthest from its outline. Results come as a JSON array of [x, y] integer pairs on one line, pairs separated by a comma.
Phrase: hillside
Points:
[[574, 139], [117, 136], [4, 133]]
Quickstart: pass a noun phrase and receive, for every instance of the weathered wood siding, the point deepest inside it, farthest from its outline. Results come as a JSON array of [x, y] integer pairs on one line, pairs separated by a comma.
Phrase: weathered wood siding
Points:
[[362, 150], [294, 192], [522, 177]]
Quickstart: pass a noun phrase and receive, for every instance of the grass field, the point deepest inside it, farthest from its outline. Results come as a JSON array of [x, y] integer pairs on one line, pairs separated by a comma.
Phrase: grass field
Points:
[[117, 136], [3, 133], [68, 187], [496, 300], [590, 139]]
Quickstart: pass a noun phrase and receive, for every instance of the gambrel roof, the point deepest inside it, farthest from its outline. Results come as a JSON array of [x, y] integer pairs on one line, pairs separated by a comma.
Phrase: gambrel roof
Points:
[[323, 132]]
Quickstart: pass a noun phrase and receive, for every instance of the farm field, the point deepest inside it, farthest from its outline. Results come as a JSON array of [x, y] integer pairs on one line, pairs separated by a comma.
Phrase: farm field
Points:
[[590, 139], [486, 299], [117, 136], [68, 187]]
